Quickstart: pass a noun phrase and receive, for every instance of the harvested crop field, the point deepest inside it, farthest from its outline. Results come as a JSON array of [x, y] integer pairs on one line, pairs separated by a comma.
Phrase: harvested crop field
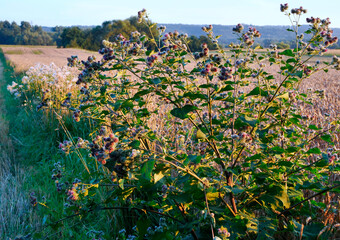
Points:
[[23, 57]]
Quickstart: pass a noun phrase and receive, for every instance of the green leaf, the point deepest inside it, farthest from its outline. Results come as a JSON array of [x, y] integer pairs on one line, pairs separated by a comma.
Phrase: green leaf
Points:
[[314, 151], [194, 158], [249, 120], [277, 150], [182, 113], [142, 226], [298, 74], [141, 93], [313, 127], [257, 91], [287, 52], [156, 81], [135, 144], [327, 138], [147, 169], [291, 60]]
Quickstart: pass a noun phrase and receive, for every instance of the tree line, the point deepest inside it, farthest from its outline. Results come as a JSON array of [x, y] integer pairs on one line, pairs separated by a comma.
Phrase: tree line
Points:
[[91, 38], [24, 34], [78, 37]]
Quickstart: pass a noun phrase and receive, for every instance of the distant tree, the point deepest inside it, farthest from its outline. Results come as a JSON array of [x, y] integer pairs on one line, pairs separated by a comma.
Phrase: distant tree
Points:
[[72, 37], [282, 45], [195, 44]]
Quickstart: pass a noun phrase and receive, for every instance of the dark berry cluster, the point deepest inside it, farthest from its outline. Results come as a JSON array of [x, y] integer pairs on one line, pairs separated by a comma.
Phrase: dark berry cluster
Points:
[[135, 132], [172, 41], [141, 15], [239, 27], [298, 11], [283, 7], [76, 115], [108, 54], [151, 60], [249, 36], [103, 145], [323, 27], [208, 69], [161, 29], [65, 146], [216, 58], [90, 67], [307, 70], [225, 73], [204, 53], [72, 61], [207, 29], [120, 162]]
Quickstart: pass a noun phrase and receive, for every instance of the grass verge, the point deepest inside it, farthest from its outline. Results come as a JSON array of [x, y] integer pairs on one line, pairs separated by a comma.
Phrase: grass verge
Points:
[[29, 147]]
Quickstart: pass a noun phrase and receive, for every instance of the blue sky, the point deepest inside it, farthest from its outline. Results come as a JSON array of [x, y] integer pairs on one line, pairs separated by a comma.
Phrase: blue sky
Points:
[[226, 12]]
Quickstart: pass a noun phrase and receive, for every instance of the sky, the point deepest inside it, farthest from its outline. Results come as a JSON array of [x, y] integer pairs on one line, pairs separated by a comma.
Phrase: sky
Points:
[[224, 12]]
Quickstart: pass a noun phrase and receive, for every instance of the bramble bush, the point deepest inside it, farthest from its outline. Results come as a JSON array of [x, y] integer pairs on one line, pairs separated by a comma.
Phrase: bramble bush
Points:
[[206, 145]]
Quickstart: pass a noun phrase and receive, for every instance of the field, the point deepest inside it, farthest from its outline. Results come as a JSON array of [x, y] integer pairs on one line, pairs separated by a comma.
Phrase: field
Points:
[[23, 57], [36, 144]]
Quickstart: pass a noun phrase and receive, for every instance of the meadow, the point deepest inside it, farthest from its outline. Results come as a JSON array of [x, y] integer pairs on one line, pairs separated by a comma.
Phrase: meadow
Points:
[[134, 143]]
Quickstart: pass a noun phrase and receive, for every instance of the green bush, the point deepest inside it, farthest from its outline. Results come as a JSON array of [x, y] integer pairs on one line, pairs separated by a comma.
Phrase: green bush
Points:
[[205, 146]]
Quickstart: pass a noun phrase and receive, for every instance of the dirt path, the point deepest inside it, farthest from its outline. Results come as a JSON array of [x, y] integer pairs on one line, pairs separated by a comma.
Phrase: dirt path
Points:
[[14, 205]]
